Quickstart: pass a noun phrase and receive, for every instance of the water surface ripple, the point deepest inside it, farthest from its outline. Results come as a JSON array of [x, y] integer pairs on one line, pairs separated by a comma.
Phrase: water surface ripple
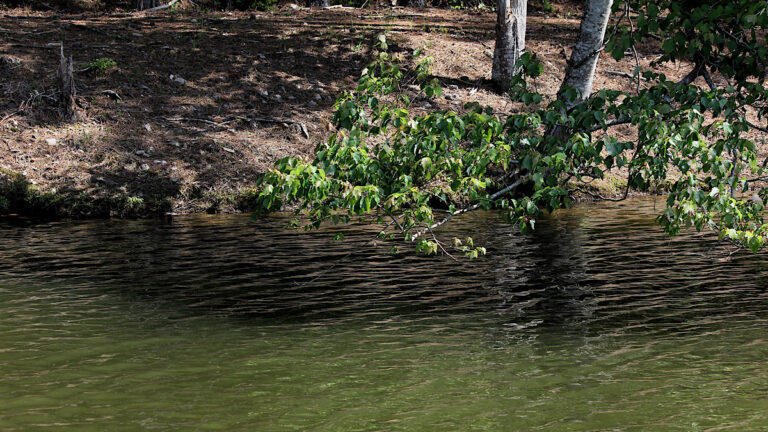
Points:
[[596, 321]]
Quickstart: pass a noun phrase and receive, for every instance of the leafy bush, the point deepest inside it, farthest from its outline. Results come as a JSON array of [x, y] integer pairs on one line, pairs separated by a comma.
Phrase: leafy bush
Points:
[[263, 5], [412, 173], [100, 66]]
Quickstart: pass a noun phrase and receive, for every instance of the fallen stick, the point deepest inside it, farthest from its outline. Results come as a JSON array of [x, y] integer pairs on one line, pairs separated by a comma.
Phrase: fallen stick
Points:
[[49, 46], [165, 6], [112, 94], [623, 74], [198, 120], [302, 127], [267, 120], [619, 73], [2, 120]]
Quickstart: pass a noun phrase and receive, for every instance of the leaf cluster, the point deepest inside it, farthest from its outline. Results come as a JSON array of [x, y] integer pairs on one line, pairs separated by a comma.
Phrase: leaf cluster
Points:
[[412, 172]]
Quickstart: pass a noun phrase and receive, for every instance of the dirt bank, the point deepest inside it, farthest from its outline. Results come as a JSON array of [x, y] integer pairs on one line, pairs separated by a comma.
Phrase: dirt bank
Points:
[[199, 104]]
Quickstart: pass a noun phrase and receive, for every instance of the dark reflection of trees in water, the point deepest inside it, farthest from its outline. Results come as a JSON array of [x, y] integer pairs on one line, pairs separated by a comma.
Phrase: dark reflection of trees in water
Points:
[[542, 279], [580, 272]]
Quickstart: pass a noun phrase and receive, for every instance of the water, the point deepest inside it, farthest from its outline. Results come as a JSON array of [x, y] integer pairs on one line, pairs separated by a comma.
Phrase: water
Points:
[[597, 321]]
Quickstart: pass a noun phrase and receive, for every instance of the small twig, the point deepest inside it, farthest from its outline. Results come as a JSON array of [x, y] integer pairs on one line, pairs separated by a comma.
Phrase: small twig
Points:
[[628, 9], [616, 122], [754, 126], [708, 78], [757, 179], [9, 116], [619, 73], [440, 245], [267, 120], [199, 120], [394, 219]]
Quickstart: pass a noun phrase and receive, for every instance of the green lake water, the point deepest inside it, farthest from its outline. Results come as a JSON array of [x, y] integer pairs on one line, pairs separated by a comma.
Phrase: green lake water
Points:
[[595, 322]]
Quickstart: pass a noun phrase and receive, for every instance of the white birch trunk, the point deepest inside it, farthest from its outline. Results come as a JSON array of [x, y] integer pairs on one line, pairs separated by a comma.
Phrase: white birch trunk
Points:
[[510, 40], [581, 67]]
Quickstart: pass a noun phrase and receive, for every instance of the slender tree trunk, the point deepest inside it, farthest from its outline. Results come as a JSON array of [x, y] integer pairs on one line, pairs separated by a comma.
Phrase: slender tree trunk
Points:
[[419, 4], [510, 40], [146, 4], [581, 67], [67, 91]]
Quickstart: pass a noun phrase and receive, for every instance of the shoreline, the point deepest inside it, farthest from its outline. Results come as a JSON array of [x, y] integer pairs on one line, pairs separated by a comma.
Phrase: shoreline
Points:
[[19, 197]]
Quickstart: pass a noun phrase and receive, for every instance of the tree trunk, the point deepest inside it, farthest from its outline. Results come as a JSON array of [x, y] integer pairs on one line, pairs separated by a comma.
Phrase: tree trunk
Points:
[[147, 4], [417, 3], [510, 41], [67, 90], [580, 70], [318, 3]]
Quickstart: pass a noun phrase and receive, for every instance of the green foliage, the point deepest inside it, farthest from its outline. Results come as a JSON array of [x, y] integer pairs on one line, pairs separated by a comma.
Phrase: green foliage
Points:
[[546, 6], [388, 165], [263, 5], [101, 66], [727, 36], [407, 168]]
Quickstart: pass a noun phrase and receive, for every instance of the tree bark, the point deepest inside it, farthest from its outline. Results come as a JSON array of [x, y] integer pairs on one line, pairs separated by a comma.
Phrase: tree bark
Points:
[[146, 4], [510, 41], [67, 91], [580, 70], [318, 3]]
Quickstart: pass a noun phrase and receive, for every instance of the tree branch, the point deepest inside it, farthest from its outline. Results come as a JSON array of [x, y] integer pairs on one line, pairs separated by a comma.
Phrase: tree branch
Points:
[[615, 122], [473, 207], [692, 75], [708, 79], [165, 6]]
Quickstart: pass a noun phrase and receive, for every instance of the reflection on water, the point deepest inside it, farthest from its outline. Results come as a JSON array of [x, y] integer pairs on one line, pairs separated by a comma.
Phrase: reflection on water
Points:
[[596, 321]]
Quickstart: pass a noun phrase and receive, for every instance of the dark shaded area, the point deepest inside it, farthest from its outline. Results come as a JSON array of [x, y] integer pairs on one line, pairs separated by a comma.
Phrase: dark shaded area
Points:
[[19, 197], [197, 107], [179, 117], [582, 272]]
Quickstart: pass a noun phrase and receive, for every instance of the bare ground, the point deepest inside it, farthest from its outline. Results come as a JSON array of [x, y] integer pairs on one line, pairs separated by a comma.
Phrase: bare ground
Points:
[[253, 88]]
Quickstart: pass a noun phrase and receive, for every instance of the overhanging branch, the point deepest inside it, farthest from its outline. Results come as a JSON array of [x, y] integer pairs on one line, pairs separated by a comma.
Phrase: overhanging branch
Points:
[[473, 207]]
